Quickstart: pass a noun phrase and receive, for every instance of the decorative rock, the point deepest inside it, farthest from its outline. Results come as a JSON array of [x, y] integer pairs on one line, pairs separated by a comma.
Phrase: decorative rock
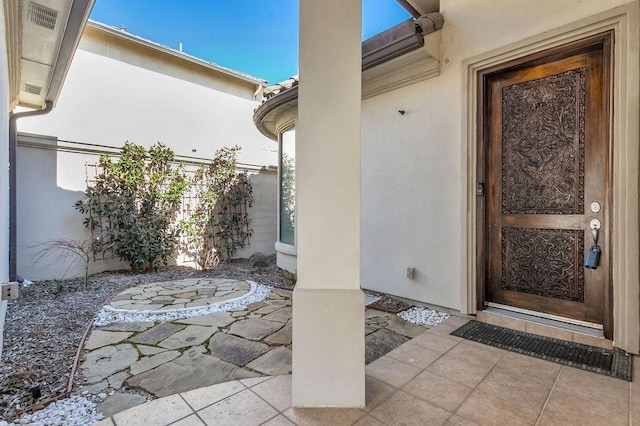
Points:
[[119, 402], [157, 334], [190, 336], [254, 329], [381, 342], [150, 362], [234, 349], [136, 327], [116, 380], [274, 362], [218, 319], [282, 315], [101, 338], [405, 328], [96, 388], [190, 371], [149, 350], [108, 360], [268, 308], [280, 337]]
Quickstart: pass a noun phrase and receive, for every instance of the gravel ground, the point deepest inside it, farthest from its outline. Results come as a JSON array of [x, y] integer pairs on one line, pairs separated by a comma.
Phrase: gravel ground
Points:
[[45, 324]]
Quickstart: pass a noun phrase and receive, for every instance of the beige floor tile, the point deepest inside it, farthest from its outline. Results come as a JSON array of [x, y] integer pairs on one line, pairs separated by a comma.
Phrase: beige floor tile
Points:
[[607, 390], [435, 342], [192, 420], [456, 320], [254, 381], [158, 412], [105, 422], [456, 420], [391, 371], [438, 390], [324, 416], [477, 352], [521, 391], [567, 409], [369, 421], [402, 408], [279, 420], [244, 408], [376, 392], [414, 354], [459, 370], [525, 367], [276, 392], [635, 403], [444, 329], [489, 410], [203, 397]]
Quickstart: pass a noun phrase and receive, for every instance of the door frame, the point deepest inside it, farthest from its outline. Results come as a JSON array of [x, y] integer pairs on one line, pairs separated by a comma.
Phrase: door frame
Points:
[[625, 231], [605, 40]]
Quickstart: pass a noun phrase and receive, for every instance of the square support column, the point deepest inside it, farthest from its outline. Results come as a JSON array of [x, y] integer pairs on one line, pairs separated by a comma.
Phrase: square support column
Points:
[[328, 305]]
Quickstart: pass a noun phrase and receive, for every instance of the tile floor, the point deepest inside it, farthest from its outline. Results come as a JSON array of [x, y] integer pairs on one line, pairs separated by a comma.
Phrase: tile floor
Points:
[[433, 379]]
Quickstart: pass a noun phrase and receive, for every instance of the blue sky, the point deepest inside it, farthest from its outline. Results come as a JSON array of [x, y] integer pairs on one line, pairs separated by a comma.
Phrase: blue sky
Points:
[[258, 37]]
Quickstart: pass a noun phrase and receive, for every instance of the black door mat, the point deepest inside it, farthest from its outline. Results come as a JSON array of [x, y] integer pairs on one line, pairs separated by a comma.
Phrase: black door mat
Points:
[[614, 363]]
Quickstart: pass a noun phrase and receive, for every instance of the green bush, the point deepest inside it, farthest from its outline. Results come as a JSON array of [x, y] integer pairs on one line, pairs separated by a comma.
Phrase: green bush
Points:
[[133, 205]]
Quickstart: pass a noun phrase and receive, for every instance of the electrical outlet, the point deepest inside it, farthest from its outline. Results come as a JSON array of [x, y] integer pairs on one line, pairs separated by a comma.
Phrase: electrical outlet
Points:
[[410, 272], [9, 291]]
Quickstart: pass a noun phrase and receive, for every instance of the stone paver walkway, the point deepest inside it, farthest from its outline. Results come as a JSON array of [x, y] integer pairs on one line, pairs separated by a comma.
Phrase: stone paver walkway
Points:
[[433, 379], [179, 294], [170, 357]]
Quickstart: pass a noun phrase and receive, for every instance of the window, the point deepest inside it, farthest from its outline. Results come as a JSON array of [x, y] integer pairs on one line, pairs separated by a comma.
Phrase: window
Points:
[[288, 186]]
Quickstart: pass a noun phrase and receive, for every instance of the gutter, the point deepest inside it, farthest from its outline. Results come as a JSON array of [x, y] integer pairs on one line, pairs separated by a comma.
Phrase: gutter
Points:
[[399, 40], [13, 144]]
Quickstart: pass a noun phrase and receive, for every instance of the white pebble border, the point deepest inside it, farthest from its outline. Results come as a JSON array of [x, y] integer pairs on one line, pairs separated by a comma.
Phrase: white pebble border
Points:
[[423, 316], [70, 411], [106, 317]]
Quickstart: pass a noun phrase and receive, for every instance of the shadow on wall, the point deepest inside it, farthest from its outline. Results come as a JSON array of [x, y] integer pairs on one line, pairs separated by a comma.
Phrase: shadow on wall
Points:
[[49, 182]]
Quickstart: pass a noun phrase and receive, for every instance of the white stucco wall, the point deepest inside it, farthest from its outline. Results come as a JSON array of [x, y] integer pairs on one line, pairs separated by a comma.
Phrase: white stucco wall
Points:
[[50, 181], [4, 170], [116, 91], [412, 164]]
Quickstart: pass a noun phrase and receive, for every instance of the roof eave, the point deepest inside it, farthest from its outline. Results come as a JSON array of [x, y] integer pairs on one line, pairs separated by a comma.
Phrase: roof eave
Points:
[[175, 53]]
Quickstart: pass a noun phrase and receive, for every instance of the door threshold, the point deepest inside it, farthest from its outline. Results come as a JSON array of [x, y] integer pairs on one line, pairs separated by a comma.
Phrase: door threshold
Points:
[[543, 325], [567, 324]]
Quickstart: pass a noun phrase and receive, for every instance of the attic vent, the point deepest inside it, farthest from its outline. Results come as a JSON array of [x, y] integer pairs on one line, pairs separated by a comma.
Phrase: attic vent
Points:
[[42, 15], [30, 88]]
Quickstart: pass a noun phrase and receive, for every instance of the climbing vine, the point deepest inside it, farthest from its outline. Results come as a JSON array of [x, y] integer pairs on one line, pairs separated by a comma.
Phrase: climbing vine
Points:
[[219, 223]]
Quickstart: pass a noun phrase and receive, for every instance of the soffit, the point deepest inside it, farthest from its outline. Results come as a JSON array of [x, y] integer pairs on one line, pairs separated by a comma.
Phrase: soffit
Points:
[[425, 6], [42, 38]]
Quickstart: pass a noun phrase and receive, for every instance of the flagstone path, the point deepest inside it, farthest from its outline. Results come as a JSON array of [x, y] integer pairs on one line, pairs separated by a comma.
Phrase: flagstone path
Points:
[[169, 357]]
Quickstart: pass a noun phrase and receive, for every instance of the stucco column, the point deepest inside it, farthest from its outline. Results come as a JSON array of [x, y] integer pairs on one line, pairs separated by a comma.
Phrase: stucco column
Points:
[[328, 305]]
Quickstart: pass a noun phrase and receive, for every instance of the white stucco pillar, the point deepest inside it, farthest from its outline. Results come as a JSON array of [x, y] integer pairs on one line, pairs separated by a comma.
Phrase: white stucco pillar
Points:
[[328, 305]]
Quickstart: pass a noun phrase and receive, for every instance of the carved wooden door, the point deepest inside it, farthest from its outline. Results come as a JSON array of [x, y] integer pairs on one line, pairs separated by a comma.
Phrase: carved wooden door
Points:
[[547, 161]]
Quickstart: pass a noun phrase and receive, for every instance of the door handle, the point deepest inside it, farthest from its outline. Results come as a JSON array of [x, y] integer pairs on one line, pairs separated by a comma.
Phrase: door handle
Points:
[[595, 230]]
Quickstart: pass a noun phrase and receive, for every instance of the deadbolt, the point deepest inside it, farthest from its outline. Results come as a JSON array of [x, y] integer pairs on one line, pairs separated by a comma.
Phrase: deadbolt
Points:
[[595, 207]]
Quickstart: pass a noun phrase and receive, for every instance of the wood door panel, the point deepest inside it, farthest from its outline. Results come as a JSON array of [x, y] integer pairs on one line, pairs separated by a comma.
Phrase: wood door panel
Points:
[[546, 158], [545, 262]]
